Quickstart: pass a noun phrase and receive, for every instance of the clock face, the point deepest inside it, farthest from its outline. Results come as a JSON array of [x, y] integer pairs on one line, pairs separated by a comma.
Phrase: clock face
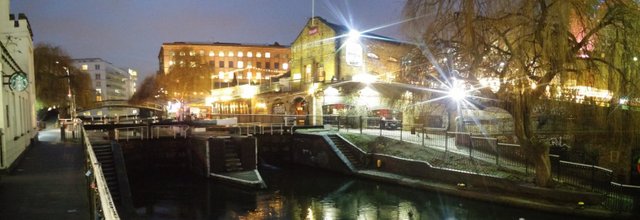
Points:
[[18, 81]]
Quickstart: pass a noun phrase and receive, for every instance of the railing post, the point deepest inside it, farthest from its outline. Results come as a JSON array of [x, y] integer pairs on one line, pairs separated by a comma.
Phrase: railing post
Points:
[[360, 124], [380, 127], [497, 154], [338, 123], [593, 172], [446, 142]]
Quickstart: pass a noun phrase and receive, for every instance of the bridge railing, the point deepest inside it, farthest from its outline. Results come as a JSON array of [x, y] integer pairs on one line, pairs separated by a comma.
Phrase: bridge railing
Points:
[[101, 200], [133, 132]]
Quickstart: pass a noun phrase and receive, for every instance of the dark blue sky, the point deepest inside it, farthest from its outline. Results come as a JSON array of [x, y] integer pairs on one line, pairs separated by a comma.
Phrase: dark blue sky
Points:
[[129, 33]]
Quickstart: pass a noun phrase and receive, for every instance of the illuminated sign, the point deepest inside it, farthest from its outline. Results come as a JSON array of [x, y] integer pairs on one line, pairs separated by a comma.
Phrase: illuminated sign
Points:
[[353, 53]]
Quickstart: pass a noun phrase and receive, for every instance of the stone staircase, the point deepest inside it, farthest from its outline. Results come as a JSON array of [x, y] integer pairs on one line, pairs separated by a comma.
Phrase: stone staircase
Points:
[[232, 162], [104, 154], [346, 150]]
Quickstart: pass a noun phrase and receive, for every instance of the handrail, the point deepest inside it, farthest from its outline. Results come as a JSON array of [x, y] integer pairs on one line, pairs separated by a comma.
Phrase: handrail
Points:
[[107, 205]]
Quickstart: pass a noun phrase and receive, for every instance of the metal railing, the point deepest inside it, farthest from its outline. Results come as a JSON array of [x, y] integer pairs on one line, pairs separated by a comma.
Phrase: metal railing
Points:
[[134, 132], [103, 203]]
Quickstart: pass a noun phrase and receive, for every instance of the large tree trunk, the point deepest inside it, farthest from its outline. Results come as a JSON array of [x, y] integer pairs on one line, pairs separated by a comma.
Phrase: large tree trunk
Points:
[[536, 151]]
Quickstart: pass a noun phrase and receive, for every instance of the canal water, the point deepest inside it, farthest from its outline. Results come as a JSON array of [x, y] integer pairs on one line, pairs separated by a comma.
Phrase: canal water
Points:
[[304, 193]]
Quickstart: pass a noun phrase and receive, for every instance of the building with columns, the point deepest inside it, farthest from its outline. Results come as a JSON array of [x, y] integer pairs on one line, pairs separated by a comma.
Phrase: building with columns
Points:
[[18, 123]]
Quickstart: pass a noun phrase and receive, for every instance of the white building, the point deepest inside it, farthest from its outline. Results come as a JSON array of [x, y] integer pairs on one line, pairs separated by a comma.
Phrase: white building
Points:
[[110, 82], [131, 83], [18, 125]]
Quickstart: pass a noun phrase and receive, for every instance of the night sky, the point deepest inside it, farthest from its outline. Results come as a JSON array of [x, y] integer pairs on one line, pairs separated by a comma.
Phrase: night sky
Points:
[[129, 33]]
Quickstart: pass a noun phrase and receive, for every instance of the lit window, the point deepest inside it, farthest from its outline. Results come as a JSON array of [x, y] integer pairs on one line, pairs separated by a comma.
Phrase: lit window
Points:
[[240, 54], [308, 69], [220, 75], [240, 64], [239, 77], [171, 62], [211, 53], [117, 91], [221, 54], [249, 75], [192, 64], [201, 52], [182, 53], [285, 66], [85, 67], [99, 91], [267, 55], [372, 56], [181, 63], [258, 54], [249, 54], [249, 65], [258, 75], [192, 53], [172, 53], [99, 99], [231, 53]]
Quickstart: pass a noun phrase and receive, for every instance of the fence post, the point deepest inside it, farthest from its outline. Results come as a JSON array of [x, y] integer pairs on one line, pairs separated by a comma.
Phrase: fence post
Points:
[[360, 124], [401, 132], [338, 123], [497, 155], [381, 127], [446, 142], [424, 133], [470, 146]]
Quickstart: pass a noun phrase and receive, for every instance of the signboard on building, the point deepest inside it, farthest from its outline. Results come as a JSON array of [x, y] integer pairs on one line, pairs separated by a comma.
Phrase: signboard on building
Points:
[[353, 54]]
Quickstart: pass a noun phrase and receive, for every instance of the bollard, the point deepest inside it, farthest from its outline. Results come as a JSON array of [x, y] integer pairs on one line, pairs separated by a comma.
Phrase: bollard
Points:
[[63, 132]]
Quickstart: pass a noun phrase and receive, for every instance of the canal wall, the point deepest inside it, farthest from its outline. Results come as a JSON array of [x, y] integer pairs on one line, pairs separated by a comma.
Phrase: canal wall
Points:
[[476, 182], [186, 155]]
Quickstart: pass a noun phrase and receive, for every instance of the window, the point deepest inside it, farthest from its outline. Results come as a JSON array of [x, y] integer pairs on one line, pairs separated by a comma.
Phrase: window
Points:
[[221, 54], [171, 62], [267, 55], [372, 56], [99, 99], [249, 75], [285, 66], [97, 75], [201, 52], [258, 75], [98, 84], [192, 64], [182, 53], [240, 64], [267, 65], [221, 64], [240, 54], [249, 54], [258, 54], [172, 53], [97, 66], [258, 65], [249, 65], [181, 63], [276, 65], [230, 64], [85, 67], [192, 53], [99, 91], [231, 53], [211, 53]]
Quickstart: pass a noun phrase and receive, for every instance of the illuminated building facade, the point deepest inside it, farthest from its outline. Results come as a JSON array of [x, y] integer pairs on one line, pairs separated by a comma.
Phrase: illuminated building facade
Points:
[[229, 64], [110, 82], [326, 52], [18, 124]]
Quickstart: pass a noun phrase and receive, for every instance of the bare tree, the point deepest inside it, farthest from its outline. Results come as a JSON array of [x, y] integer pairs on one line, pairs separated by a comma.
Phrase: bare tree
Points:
[[529, 46]]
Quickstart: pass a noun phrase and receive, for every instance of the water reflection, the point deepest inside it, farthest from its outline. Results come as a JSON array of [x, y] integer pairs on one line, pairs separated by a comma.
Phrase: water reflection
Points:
[[304, 194]]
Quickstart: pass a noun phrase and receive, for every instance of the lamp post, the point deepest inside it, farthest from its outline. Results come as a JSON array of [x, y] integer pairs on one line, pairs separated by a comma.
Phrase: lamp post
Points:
[[70, 96]]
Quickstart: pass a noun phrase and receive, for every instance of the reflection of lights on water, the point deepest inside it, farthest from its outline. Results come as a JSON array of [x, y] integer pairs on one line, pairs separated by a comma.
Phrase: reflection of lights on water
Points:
[[309, 214]]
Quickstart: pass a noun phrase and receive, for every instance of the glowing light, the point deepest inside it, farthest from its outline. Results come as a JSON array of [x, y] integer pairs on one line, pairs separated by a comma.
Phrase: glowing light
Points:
[[457, 92], [297, 76], [534, 85], [173, 107], [285, 66], [261, 105], [313, 88], [368, 97], [364, 78], [354, 35], [248, 91]]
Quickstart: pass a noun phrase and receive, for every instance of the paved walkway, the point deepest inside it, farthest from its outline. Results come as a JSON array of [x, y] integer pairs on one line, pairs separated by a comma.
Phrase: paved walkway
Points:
[[48, 183]]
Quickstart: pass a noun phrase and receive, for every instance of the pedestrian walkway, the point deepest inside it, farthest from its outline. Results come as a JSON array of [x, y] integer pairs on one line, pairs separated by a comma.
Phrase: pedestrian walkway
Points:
[[48, 183]]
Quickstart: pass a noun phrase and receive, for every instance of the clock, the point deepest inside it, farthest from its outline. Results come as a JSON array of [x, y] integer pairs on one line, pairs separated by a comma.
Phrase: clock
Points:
[[18, 81]]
